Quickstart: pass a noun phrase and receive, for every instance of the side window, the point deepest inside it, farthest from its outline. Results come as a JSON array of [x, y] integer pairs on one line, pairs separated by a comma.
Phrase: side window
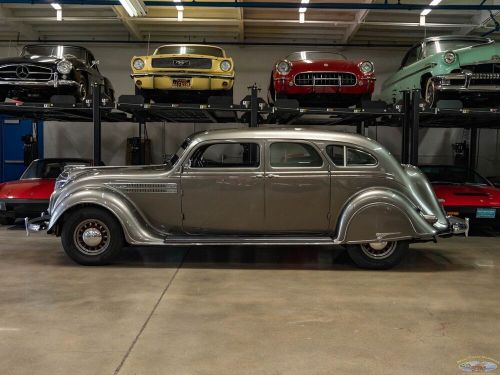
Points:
[[343, 156], [294, 155], [358, 157], [336, 153], [226, 155]]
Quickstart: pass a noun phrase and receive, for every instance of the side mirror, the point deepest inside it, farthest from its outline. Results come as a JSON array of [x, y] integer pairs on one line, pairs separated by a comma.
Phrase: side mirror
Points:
[[95, 63]]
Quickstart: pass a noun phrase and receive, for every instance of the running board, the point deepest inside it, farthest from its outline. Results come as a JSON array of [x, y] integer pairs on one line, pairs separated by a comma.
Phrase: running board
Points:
[[257, 240]]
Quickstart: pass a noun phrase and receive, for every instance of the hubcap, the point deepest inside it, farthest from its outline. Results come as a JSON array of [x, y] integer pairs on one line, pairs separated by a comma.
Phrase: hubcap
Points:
[[83, 91], [378, 250], [429, 94], [91, 237]]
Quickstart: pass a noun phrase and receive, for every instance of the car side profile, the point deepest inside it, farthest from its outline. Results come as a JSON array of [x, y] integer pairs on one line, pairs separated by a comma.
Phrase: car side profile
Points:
[[252, 186]]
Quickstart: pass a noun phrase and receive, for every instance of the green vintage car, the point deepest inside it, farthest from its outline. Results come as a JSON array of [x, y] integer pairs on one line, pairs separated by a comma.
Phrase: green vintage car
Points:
[[449, 67]]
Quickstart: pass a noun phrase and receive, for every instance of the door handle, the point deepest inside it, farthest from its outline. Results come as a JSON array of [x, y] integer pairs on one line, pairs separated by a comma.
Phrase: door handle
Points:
[[258, 176], [271, 175]]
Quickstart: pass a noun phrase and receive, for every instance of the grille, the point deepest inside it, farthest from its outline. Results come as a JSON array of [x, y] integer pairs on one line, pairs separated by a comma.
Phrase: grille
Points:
[[23, 72], [484, 74], [182, 63], [325, 79]]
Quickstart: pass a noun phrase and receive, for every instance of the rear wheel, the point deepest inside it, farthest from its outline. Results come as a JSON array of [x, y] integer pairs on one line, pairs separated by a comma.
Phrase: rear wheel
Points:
[[92, 236], [378, 255]]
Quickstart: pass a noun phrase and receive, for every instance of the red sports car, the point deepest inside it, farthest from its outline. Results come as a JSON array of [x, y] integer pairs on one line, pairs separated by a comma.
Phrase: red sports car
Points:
[[464, 192], [322, 79], [29, 196]]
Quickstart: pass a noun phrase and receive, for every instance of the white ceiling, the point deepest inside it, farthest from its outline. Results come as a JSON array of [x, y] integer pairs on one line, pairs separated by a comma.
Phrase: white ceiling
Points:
[[237, 25]]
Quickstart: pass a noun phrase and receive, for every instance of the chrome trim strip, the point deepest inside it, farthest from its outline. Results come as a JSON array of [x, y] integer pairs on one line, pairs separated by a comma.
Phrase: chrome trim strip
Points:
[[187, 75], [53, 83]]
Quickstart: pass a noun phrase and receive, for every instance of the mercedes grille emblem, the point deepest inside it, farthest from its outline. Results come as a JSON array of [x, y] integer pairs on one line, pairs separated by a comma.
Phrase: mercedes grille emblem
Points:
[[22, 71]]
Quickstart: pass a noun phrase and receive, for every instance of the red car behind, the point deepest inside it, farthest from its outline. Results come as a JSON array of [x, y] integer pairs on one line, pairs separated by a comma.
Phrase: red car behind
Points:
[[29, 196], [322, 79], [465, 193]]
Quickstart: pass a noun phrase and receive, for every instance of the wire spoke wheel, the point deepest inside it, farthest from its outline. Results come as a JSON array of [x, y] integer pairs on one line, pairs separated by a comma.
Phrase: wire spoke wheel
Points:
[[379, 250], [91, 237]]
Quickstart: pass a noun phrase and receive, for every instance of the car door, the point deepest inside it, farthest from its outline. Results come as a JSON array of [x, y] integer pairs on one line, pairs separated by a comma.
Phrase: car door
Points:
[[223, 188], [297, 187]]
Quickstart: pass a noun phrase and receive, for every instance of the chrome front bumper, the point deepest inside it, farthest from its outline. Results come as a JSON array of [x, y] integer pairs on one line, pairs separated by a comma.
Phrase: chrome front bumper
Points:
[[36, 225], [50, 83], [182, 75], [462, 82]]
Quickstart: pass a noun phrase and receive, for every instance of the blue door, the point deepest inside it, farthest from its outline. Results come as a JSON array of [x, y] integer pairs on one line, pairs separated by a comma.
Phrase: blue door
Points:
[[12, 147]]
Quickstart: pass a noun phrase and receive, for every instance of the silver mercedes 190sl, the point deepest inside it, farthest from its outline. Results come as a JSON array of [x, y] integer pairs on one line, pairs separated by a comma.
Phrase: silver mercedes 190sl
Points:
[[252, 186]]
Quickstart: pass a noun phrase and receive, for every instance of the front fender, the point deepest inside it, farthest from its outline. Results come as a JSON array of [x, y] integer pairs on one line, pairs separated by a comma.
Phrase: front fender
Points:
[[381, 214], [135, 227]]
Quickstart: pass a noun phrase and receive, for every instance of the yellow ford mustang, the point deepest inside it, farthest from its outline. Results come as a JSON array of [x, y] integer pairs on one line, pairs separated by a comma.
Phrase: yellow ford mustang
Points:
[[183, 73]]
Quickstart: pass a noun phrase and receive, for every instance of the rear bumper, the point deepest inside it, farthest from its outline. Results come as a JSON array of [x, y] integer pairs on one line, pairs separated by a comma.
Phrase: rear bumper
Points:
[[456, 226], [15, 208]]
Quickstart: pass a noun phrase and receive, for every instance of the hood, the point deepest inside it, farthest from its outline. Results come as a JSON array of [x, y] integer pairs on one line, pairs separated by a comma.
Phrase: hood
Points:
[[476, 54], [27, 189], [38, 60], [324, 65], [76, 173], [467, 195]]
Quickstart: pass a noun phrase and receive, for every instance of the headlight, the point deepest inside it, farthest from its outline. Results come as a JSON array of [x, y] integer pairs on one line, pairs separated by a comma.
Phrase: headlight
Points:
[[449, 57], [366, 67], [283, 67], [64, 67], [139, 64], [225, 65]]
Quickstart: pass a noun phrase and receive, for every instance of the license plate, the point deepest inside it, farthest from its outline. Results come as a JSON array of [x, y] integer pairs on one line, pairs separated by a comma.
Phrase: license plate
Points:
[[485, 213], [181, 82]]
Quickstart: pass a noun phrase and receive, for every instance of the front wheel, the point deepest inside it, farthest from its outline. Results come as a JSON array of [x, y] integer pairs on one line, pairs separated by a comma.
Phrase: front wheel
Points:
[[431, 94], [378, 255], [92, 236]]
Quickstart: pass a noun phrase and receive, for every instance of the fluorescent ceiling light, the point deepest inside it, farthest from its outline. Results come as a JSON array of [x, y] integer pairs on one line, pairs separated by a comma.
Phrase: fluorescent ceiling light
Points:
[[303, 9], [56, 6], [422, 20], [179, 7], [432, 4], [180, 15], [302, 17], [59, 15], [134, 8]]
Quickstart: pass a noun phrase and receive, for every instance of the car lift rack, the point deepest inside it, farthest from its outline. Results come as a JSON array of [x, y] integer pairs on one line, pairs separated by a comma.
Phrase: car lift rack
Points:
[[410, 115]]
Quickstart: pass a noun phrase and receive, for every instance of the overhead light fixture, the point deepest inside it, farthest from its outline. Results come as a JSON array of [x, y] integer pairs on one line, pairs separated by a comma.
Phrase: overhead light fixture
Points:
[[134, 8], [422, 20], [179, 7], [56, 6], [302, 11], [59, 15], [428, 10], [180, 15]]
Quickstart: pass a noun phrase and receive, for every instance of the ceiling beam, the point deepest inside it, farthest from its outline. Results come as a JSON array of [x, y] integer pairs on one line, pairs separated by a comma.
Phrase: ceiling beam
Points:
[[132, 29], [354, 27]]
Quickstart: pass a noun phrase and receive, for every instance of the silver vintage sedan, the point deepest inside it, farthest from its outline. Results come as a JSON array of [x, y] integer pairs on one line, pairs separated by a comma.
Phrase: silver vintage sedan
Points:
[[248, 187]]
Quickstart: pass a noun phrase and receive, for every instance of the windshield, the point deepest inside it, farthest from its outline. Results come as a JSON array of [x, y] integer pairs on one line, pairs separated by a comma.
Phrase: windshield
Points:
[[190, 50], [49, 168], [315, 55], [453, 175], [54, 51], [437, 46]]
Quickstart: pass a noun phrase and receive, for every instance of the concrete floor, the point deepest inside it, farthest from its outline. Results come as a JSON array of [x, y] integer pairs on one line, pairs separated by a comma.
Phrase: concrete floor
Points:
[[246, 310]]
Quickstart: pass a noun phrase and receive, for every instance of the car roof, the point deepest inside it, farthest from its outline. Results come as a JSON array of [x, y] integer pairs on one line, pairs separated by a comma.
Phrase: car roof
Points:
[[188, 44], [55, 44], [454, 37], [293, 133]]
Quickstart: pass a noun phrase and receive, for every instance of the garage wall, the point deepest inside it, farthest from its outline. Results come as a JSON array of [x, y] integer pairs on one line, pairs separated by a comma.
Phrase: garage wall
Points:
[[253, 65]]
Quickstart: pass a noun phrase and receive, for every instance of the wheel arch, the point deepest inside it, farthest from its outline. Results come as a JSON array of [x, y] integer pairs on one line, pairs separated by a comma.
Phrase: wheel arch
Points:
[[136, 228], [378, 214]]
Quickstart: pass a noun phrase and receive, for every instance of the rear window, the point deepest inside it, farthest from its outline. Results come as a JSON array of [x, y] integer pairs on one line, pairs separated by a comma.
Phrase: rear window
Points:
[[190, 50], [344, 156]]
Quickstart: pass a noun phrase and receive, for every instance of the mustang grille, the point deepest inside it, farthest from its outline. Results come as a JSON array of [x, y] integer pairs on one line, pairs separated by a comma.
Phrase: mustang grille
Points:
[[182, 63], [25, 72], [325, 79], [145, 187]]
